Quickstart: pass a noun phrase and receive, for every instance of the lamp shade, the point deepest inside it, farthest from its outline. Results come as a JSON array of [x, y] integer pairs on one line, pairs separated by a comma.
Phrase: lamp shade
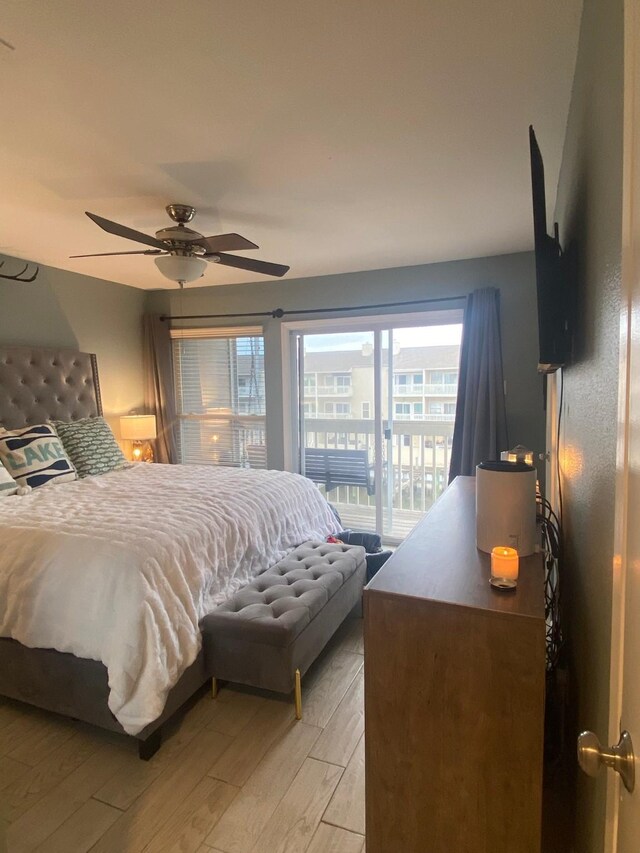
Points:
[[181, 267], [138, 427]]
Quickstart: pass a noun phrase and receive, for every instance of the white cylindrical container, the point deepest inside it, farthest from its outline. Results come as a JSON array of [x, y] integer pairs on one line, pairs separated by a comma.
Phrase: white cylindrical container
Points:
[[506, 506]]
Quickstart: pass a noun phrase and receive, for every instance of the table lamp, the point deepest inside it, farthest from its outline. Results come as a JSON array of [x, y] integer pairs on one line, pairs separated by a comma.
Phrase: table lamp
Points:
[[139, 429]]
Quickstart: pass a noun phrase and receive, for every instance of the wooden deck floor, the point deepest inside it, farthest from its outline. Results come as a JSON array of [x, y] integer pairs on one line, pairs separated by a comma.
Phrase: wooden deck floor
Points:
[[364, 518], [234, 775]]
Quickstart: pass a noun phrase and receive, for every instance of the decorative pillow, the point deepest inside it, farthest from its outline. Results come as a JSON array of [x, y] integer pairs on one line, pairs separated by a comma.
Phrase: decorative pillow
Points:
[[8, 485], [34, 456], [91, 446]]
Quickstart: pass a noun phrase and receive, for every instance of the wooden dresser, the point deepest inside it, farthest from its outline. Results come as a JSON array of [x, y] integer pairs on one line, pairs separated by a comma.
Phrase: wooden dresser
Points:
[[454, 694]]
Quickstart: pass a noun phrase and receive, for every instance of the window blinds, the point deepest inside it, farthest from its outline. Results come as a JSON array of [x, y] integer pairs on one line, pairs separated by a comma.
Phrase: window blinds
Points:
[[220, 396]]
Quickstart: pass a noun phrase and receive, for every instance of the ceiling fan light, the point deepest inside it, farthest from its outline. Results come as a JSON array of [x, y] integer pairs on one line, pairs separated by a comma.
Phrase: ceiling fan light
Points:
[[181, 267]]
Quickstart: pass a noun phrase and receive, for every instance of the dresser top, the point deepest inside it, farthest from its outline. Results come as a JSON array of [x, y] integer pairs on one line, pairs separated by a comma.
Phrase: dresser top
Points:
[[439, 561]]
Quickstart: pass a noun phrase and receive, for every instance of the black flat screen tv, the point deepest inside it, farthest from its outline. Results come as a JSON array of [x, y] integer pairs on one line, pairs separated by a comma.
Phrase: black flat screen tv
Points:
[[552, 279]]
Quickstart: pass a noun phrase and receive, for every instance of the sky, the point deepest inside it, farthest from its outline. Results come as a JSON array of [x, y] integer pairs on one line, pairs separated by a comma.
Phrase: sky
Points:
[[414, 337]]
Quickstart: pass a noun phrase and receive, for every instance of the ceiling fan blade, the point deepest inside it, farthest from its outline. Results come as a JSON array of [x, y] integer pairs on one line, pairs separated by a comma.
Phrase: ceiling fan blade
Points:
[[123, 231], [252, 265], [224, 242], [105, 254]]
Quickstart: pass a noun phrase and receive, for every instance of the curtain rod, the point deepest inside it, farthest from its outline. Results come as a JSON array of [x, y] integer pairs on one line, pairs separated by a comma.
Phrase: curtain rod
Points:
[[277, 313]]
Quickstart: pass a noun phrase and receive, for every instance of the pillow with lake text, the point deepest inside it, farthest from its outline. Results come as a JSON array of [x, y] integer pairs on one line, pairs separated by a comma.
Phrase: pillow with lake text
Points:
[[91, 446], [34, 456]]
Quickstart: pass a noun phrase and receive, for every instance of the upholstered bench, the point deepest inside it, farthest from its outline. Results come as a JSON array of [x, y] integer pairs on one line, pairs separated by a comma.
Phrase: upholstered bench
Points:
[[270, 632]]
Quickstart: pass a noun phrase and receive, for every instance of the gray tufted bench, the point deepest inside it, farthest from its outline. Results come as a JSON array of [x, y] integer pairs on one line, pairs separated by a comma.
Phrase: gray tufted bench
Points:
[[269, 633]]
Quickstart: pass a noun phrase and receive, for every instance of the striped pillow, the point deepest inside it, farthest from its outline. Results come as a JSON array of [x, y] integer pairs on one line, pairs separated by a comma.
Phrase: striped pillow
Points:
[[8, 485], [91, 446], [34, 456]]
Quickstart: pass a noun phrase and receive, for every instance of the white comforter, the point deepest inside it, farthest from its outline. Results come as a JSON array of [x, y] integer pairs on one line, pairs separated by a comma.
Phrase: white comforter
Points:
[[120, 568]]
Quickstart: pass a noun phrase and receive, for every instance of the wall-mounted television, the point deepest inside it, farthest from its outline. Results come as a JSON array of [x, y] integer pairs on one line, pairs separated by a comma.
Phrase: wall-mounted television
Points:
[[552, 278]]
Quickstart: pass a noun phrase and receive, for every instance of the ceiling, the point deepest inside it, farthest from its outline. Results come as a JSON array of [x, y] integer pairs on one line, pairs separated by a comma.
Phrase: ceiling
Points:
[[338, 135]]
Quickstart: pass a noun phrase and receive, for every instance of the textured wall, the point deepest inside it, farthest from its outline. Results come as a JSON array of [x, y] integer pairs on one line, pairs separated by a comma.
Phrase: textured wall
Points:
[[589, 210], [513, 274], [65, 309]]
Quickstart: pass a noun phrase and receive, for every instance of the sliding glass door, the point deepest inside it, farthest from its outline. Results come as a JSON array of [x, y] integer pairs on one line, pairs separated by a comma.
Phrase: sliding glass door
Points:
[[375, 416], [338, 424]]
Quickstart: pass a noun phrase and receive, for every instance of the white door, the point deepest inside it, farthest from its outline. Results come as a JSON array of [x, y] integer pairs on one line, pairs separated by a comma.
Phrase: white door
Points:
[[623, 807]]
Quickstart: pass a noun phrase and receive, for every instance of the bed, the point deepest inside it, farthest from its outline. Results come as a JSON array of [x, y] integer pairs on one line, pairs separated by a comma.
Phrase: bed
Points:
[[144, 553]]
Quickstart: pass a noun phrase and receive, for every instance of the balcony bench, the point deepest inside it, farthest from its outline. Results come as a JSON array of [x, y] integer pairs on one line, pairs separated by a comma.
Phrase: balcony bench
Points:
[[333, 468]]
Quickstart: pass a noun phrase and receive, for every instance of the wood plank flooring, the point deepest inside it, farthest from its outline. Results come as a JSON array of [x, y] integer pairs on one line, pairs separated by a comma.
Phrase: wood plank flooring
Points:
[[234, 775]]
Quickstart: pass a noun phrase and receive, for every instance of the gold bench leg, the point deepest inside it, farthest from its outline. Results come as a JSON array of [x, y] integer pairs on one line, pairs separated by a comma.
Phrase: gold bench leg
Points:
[[298, 696], [214, 688]]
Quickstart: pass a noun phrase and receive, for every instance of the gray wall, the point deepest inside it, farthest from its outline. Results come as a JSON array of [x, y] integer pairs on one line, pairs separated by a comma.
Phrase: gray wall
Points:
[[589, 210], [69, 310], [513, 274]]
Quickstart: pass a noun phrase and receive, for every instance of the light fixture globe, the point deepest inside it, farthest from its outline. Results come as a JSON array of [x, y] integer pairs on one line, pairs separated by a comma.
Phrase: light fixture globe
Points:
[[182, 268]]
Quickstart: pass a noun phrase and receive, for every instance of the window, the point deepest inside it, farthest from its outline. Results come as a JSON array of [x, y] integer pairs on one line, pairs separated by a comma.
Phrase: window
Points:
[[408, 383], [417, 408], [444, 377], [309, 383], [366, 410], [436, 408], [402, 410], [220, 396], [334, 383], [408, 378], [449, 408], [309, 409], [338, 410]]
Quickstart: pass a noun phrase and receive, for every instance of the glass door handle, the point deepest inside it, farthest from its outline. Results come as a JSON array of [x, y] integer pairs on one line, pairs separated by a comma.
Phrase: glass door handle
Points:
[[592, 756]]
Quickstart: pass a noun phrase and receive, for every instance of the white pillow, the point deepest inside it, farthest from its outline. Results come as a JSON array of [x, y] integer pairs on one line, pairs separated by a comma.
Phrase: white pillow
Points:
[[34, 456]]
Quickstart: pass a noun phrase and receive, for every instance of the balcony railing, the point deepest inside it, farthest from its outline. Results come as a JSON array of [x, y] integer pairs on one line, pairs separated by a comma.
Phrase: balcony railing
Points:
[[408, 390], [332, 391], [415, 468], [439, 389], [440, 418]]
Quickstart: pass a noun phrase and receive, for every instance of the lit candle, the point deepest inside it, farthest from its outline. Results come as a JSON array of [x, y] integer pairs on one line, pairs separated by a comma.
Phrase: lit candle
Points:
[[504, 563]]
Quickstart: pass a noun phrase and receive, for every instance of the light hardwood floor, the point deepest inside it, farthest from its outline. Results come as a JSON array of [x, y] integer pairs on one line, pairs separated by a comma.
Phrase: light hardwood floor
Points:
[[234, 775]]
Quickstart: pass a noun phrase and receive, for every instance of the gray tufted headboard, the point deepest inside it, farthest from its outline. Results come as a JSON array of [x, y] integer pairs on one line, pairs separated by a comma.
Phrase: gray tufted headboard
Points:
[[38, 384]]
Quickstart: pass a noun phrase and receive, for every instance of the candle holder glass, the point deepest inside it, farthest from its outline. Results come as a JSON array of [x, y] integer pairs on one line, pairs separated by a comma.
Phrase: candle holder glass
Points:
[[504, 568]]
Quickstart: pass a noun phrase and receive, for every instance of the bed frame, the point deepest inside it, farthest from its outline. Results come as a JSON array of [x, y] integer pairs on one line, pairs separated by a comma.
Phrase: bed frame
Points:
[[37, 385]]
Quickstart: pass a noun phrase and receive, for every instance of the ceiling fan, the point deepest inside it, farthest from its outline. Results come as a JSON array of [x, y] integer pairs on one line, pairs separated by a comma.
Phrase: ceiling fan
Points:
[[182, 253]]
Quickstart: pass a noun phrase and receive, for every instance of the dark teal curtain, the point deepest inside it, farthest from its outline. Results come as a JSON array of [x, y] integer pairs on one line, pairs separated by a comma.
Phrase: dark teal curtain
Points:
[[480, 429]]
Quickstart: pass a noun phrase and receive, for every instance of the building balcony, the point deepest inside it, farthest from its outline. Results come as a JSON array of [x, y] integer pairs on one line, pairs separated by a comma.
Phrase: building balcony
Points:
[[414, 468], [408, 390], [433, 418], [331, 391], [440, 390]]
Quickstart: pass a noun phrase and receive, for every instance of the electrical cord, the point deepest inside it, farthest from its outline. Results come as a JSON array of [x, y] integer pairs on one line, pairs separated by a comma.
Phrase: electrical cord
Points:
[[558, 435], [552, 554]]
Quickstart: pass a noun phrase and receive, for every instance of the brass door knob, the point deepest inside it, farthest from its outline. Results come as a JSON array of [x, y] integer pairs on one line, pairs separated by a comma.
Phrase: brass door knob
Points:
[[592, 756]]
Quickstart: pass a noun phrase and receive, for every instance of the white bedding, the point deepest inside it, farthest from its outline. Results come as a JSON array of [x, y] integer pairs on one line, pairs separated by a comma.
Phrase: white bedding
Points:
[[120, 568]]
